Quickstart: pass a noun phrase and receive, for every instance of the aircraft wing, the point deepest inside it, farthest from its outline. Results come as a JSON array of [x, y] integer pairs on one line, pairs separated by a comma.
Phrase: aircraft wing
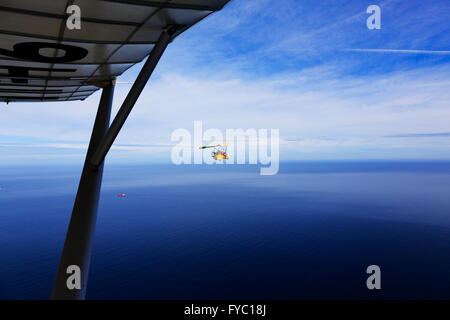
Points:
[[41, 59]]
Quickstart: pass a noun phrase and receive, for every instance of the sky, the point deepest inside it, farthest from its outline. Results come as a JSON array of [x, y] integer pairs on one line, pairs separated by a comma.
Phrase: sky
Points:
[[335, 89]]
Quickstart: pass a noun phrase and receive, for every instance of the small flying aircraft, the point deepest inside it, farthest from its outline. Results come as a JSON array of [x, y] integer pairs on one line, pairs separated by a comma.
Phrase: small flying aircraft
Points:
[[220, 151]]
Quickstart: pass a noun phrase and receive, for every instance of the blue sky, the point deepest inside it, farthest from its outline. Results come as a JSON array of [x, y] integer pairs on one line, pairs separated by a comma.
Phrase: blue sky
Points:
[[312, 69]]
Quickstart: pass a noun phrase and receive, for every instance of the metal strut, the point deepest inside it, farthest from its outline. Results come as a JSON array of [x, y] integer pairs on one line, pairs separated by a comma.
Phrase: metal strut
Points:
[[131, 98], [76, 253], [78, 244]]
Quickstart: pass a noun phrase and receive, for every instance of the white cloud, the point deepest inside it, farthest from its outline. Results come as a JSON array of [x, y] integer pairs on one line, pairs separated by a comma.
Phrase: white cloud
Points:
[[445, 52], [325, 112]]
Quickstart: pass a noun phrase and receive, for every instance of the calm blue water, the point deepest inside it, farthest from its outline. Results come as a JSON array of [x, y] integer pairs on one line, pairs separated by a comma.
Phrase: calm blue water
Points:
[[226, 232]]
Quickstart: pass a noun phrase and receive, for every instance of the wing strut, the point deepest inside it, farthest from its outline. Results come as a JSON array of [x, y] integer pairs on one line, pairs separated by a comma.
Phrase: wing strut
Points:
[[76, 253], [78, 244]]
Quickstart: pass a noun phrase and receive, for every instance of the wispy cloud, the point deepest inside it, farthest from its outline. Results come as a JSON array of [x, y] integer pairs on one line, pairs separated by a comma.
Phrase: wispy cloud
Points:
[[401, 51], [317, 111], [420, 135]]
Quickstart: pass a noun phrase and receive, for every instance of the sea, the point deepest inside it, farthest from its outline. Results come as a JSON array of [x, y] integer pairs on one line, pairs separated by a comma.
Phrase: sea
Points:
[[227, 232]]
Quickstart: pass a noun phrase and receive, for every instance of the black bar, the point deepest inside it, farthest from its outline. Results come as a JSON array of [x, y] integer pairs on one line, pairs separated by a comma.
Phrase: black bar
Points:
[[131, 98], [66, 39], [80, 234], [170, 5], [274, 309], [65, 16]]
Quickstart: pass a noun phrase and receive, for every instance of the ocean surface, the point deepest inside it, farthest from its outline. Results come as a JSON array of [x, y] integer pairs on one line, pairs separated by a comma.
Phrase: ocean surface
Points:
[[224, 231]]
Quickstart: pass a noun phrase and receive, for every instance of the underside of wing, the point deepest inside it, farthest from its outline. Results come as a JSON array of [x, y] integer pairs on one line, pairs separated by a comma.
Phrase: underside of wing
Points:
[[44, 56]]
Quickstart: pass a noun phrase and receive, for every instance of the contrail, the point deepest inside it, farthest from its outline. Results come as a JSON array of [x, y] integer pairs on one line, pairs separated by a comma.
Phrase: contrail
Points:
[[401, 51]]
